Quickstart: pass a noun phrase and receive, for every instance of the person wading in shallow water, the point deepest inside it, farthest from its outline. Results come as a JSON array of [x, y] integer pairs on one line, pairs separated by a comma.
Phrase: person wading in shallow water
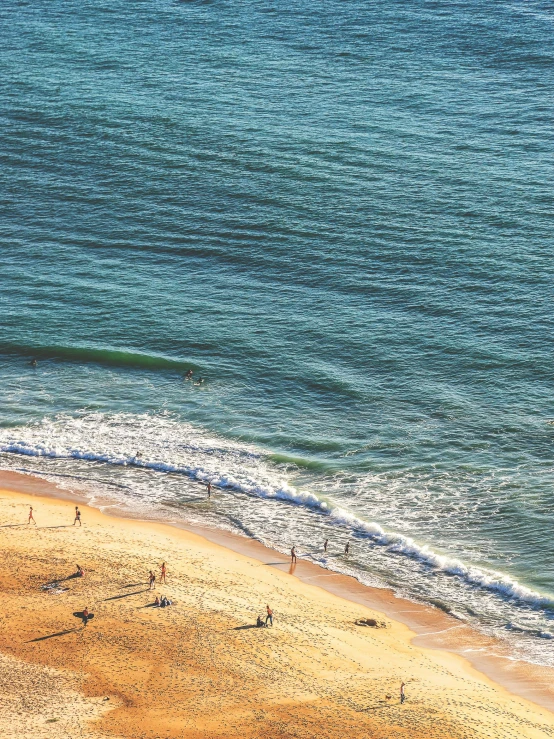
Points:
[[347, 548], [325, 545], [293, 555], [209, 489]]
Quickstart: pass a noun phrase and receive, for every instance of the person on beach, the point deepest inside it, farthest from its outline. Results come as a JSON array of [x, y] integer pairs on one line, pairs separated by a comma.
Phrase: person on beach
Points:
[[163, 573], [347, 548], [209, 489], [157, 602], [85, 617], [31, 517], [325, 545], [402, 694], [77, 516], [80, 572], [152, 580], [293, 555], [269, 616]]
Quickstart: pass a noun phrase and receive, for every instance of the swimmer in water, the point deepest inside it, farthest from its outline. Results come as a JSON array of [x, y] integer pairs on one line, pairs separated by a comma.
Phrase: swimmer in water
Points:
[[33, 362], [188, 376]]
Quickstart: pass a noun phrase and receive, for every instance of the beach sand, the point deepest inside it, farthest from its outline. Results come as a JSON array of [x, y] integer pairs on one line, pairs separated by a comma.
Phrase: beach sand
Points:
[[199, 668]]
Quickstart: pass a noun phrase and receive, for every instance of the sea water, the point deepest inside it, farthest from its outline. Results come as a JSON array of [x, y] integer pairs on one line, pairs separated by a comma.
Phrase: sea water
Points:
[[340, 214]]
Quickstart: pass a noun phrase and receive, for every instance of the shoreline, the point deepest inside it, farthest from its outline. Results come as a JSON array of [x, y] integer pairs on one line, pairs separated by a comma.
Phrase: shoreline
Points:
[[432, 628]]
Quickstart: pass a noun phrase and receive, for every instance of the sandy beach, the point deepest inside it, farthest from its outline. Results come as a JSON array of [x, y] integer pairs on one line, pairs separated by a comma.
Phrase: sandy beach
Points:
[[200, 667]]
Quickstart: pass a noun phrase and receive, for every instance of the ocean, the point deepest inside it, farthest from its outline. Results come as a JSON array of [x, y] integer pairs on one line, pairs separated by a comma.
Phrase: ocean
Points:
[[341, 216]]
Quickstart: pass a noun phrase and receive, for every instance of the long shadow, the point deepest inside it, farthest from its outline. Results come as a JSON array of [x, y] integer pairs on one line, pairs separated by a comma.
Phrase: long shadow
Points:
[[51, 636], [62, 526], [126, 595], [246, 626], [58, 580], [148, 605], [272, 564], [133, 585], [381, 705], [12, 525]]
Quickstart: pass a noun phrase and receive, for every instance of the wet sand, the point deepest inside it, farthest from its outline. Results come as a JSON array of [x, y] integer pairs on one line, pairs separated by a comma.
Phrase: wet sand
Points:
[[200, 668]]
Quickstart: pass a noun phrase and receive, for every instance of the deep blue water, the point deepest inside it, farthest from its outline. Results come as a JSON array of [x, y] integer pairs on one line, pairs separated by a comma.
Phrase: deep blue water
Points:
[[341, 216]]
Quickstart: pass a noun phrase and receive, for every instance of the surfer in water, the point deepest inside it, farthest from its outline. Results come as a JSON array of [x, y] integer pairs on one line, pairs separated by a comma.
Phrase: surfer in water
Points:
[[188, 376], [33, 362]]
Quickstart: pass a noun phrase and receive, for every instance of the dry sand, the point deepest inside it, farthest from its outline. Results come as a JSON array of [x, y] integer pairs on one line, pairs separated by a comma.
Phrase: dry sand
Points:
[[199, 668]]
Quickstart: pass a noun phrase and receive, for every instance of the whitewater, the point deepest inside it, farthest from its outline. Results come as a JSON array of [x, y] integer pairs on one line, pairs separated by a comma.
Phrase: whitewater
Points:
[[162, 444]]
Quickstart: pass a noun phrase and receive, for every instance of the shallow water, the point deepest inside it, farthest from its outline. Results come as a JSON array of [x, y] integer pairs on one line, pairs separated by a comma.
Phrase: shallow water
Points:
[[341, 216]]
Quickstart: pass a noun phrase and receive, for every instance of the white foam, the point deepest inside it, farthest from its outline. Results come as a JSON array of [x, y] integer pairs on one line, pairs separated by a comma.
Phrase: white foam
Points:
[[169, 446]]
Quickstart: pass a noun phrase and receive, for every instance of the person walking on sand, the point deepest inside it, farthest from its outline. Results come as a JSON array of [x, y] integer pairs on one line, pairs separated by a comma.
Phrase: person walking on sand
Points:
[[402, 693], [325, 545], [31, 517], [152, 580], [347, 548], [269, 616], [77, 516], [85, 617], [163, 573], [293, 556]]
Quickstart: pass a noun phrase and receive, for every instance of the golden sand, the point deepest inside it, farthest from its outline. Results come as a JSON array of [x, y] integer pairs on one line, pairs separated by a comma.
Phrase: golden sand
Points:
[[199, 668]]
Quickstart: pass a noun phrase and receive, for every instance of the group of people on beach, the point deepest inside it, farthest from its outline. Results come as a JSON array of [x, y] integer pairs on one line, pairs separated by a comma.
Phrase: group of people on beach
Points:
[[164, 602], [76, 520], [293, 557]]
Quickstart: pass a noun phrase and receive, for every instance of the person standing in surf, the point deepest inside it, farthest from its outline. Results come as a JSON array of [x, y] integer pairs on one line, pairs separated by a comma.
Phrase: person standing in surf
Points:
[[325, 545], [209, 489], [293, 555], [347, 548]]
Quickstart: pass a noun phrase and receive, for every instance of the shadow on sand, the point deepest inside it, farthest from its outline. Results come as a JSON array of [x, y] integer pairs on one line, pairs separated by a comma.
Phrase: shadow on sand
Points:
[[126, 595], [51, 636]]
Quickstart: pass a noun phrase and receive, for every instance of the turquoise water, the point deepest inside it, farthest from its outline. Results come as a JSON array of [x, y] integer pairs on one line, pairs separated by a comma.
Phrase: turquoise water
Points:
[[341, 216]]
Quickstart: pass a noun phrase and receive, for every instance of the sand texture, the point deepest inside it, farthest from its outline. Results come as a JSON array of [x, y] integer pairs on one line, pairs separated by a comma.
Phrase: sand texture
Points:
[[200, 668]]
